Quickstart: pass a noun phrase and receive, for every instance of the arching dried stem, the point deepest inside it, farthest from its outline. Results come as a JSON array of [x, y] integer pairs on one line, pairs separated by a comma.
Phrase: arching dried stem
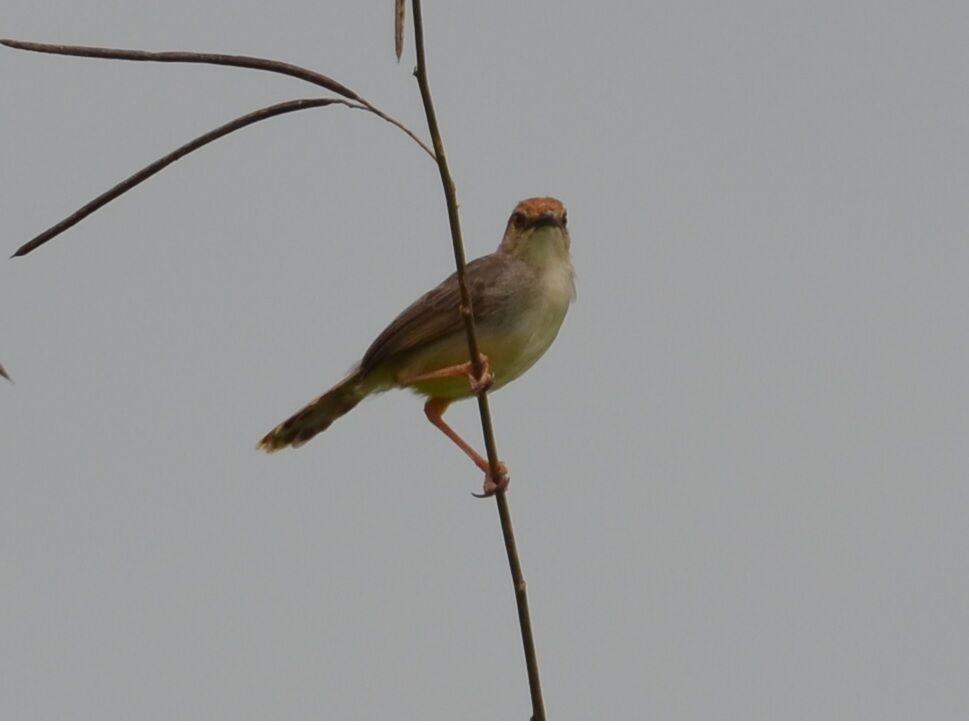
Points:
[[235, 61], [153, 168]]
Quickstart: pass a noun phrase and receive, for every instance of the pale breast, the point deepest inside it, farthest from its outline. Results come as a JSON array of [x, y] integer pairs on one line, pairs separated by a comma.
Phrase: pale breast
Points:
[[534, 328]]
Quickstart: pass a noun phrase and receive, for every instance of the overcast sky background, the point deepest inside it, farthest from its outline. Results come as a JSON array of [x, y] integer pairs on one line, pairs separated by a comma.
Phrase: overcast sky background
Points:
[[739, 477]]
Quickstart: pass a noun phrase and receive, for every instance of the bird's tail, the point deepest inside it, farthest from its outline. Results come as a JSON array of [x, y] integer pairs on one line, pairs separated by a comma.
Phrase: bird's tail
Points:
[[318, 415]]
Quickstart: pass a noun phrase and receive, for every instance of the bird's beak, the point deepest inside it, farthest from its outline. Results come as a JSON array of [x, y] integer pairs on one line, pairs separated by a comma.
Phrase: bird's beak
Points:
[[547, 219]]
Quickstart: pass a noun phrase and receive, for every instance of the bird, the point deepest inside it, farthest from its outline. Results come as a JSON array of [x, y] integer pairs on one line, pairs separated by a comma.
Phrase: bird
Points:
[[520, 295]]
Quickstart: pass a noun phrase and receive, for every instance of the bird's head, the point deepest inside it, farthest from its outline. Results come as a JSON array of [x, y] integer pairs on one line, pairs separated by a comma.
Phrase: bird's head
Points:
[[537, 231]]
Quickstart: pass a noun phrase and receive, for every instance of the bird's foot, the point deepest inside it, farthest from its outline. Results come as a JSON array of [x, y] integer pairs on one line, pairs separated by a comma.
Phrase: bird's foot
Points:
[[491, 487], [485, 381]]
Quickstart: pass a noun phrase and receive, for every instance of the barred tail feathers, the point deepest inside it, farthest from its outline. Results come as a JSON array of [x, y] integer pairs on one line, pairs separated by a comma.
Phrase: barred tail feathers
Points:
[[318, 415]]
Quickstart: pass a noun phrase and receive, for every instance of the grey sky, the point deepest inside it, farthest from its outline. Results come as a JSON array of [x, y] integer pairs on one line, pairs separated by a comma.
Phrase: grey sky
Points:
[[739, 477]]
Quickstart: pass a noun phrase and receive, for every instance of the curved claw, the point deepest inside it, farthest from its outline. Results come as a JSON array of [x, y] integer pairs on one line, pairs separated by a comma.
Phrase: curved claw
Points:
[[486, 380], [490, 487]]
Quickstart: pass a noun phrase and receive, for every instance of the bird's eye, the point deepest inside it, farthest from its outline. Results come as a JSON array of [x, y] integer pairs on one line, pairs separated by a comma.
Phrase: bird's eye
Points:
[[565, 218], [518, 220]]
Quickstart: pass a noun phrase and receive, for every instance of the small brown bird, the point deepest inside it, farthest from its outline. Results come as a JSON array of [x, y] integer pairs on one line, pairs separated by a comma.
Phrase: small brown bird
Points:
[[520, 295]]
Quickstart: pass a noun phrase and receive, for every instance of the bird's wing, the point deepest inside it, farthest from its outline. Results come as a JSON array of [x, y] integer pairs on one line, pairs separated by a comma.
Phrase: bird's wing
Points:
[[437, 315]]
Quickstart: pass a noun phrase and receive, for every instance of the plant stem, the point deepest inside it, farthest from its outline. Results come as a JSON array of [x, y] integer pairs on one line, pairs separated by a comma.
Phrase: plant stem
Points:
[[504, 513]]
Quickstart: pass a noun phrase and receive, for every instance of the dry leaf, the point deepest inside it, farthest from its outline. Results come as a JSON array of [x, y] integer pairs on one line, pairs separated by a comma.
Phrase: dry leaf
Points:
[[399, 27]]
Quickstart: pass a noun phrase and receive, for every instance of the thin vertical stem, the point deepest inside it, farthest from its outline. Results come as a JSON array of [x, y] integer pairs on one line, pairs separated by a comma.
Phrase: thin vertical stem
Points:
[[467, 312]]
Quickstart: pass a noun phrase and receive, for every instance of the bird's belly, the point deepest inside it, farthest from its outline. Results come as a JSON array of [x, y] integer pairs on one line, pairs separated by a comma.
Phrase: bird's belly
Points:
[[513, 353]]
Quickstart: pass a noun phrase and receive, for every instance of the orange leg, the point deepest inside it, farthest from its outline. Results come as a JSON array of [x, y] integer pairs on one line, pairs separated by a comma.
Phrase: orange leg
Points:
[[434, 410], [458, 371]]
